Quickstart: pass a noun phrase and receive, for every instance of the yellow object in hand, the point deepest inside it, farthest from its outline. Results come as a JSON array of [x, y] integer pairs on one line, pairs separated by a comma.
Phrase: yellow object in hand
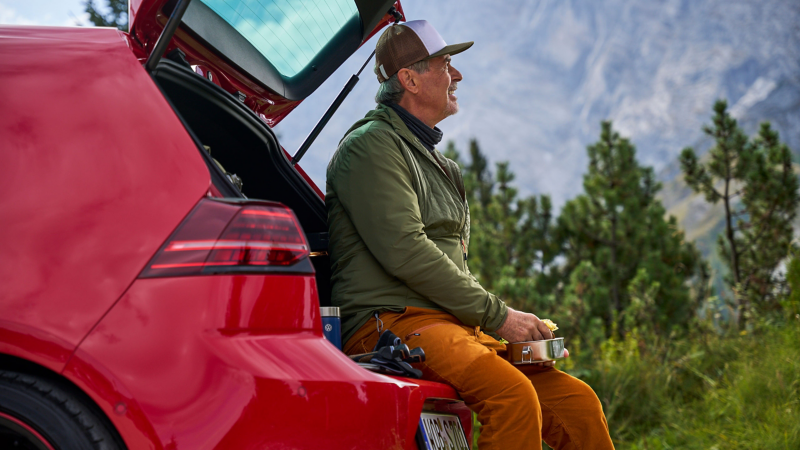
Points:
[[550, 324]]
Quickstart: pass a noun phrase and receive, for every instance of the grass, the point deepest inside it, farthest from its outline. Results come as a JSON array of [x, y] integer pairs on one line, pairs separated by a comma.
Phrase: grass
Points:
[[711, 392], [706, 391]]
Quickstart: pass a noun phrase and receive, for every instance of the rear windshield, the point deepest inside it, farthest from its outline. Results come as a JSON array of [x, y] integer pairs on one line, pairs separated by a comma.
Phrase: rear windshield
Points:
[[289, 33]]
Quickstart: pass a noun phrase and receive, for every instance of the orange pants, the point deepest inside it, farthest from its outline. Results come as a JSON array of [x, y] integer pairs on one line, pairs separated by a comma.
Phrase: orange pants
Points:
[[517, 405]]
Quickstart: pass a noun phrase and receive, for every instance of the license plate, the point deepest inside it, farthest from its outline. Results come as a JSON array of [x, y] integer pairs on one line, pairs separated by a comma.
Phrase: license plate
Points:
[[442, 432]]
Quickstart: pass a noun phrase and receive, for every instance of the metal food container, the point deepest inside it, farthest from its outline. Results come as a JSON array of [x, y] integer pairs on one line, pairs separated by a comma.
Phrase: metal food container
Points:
[[531, 352]]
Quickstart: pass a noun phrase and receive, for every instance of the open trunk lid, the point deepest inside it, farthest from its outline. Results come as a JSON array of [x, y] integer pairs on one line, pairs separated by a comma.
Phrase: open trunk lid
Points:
[[271, 54]]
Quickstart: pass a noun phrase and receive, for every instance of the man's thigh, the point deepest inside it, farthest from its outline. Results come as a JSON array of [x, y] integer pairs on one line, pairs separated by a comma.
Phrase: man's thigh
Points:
[[565, 408], [456, 354], [570, 410]]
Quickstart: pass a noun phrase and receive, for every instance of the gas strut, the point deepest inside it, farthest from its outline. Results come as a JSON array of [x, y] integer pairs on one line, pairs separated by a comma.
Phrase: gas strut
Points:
[[166, 35], [351, 83]]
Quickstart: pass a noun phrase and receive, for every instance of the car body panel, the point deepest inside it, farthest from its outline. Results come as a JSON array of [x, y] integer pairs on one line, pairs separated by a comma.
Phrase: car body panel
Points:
[[101, 172], [240, 364], [124, 174], [31, 343]]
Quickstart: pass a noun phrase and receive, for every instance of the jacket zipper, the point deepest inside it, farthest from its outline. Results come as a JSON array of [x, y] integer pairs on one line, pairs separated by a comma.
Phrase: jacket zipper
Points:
[[452, 182], [417, 145]]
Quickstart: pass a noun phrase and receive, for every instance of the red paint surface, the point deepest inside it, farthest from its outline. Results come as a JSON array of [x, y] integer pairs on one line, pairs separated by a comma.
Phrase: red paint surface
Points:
[[246, 366], [29, 341], [99, 172]]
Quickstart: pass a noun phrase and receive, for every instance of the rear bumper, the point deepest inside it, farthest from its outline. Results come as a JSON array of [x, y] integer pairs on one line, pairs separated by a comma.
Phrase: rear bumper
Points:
[[240, 362]]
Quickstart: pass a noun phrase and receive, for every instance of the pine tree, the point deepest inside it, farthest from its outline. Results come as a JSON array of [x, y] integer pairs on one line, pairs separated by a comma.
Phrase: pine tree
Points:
[[512, 240], [478, 180], [539, 233], [755, 181], [116, 17], [791, 300], [618, 227]]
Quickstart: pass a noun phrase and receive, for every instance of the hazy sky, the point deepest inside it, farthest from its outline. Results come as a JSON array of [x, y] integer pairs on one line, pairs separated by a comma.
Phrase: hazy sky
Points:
[[71, 13], [42, 12], [543, 73]]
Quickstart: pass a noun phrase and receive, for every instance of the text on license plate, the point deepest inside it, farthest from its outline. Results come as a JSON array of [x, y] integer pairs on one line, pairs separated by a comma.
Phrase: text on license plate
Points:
[[442, 432]]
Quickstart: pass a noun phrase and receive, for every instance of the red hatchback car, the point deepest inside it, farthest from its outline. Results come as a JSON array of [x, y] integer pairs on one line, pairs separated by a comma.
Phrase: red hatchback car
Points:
[[147, 299]]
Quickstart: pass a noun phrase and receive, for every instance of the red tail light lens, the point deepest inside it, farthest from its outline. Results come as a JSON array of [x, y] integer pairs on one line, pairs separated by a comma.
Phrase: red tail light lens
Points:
[[220, 237]]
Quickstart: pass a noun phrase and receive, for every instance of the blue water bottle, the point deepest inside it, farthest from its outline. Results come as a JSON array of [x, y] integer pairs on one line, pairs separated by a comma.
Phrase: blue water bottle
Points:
[[332, 325]]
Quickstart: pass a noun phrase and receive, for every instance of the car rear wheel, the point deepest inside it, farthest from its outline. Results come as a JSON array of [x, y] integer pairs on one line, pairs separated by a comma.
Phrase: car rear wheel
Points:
[[42, 414]]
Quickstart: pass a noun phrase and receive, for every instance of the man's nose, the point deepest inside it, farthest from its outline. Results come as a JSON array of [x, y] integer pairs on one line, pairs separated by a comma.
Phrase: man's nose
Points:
[[455, 74]]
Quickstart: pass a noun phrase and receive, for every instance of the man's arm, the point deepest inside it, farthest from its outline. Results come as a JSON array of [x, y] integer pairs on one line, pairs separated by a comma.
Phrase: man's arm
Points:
[[374, 184]]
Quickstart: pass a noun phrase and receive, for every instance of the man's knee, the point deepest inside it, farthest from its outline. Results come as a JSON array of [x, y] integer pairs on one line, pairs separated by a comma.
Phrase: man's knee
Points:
[[524, 400], [582, 406], [493, 380], [588, 397], [563, 392]]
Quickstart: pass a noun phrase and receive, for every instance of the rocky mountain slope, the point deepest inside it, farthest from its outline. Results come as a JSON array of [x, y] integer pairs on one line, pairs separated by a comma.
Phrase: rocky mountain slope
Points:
[[543, 74]]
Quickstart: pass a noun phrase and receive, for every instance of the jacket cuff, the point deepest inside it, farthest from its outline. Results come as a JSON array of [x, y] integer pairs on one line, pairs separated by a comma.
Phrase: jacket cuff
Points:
[[497, 314]]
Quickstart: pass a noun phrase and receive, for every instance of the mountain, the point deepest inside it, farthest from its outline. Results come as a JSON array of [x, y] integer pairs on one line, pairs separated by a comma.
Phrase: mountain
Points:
[[543, 74]]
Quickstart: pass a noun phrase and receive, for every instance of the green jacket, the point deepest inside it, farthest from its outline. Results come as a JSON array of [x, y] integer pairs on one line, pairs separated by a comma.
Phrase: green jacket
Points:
[[399, 228]]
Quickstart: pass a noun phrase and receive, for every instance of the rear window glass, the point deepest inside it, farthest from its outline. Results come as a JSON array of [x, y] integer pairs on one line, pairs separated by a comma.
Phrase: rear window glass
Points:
[[288, 33]]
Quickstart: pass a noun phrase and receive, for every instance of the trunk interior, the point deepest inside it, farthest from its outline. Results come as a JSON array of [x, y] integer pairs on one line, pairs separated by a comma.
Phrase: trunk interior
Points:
[[244, 145]]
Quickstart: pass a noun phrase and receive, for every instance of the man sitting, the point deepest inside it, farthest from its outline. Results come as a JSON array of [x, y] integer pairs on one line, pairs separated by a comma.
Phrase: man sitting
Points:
[[399, 237]]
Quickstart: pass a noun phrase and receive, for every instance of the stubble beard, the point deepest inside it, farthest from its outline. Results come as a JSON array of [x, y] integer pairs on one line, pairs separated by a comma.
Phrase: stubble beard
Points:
[[452, 109], [452, 106]]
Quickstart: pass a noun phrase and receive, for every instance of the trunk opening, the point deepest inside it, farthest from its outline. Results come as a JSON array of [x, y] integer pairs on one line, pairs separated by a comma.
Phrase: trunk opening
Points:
[[244, 145]]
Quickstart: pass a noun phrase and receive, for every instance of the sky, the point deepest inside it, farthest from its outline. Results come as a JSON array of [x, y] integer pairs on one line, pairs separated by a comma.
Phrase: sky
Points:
[[555, 70], [42, 12], [295, 128]]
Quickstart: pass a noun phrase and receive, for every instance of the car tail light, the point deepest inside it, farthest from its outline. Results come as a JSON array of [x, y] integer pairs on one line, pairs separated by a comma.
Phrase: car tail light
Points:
[[228, 237]]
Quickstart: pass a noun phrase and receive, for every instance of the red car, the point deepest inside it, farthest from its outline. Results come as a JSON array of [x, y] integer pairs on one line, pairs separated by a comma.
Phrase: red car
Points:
[[145, 301]]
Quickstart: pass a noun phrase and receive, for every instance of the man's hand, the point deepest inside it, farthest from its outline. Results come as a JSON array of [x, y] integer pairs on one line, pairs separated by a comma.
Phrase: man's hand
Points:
[[520, 326]]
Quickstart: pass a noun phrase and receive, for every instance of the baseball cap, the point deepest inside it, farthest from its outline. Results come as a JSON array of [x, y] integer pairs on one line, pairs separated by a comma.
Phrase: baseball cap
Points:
[[404, 44]]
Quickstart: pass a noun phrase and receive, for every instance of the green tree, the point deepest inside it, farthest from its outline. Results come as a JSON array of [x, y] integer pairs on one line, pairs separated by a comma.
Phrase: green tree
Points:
[[755, 181], [618, 228], [115, 14], [512, 240], [479, 182], [791, 300]]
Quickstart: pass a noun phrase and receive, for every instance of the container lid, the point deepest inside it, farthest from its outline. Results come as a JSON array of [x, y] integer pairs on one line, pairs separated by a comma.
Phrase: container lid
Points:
[[329, 311]]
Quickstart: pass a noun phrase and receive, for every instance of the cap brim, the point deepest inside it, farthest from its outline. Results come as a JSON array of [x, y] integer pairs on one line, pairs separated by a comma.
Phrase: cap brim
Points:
[[452, 49]]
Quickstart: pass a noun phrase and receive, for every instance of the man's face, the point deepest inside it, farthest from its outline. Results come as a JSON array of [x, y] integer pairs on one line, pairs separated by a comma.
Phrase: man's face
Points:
[[438, 86]]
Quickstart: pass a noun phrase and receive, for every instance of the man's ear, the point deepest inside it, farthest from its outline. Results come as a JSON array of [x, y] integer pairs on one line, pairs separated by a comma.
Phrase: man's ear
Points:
[[409, 79]]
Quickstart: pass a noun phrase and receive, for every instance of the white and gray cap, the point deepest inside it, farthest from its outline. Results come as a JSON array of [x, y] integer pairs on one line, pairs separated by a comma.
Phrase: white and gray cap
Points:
[[404, 44]]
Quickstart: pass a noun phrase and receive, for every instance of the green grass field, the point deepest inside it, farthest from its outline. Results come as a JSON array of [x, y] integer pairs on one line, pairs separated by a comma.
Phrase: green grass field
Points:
[[707, 391]]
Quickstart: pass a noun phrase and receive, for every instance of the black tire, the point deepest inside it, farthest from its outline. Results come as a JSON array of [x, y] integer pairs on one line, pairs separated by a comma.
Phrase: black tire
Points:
[[55, 410]]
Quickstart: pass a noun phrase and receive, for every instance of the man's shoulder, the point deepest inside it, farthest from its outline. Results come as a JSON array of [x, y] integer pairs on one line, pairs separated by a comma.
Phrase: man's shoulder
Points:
[[373, 130], [371, 139], [378, 125]]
